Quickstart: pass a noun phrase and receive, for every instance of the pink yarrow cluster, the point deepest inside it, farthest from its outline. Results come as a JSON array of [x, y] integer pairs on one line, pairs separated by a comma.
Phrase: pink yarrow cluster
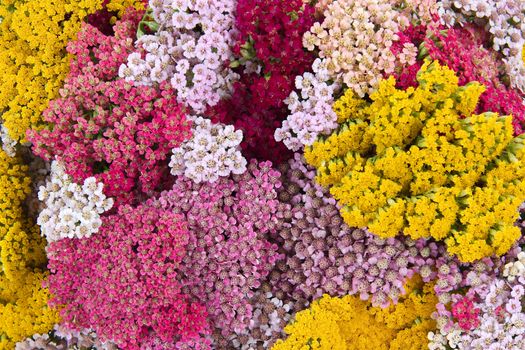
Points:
[[466, 314], [192, 50], [229, 253], [108, 128], [123, 282]]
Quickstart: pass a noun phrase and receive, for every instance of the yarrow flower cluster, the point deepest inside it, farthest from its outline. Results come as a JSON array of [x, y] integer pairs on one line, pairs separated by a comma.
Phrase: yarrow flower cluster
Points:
[[71, 210], [324, 255], [191, 50], [311, 111], [515, 269], [123, 282], [269, 317], [61, 338], [212, 152], [8, 144], [229, 253], [108, 128]]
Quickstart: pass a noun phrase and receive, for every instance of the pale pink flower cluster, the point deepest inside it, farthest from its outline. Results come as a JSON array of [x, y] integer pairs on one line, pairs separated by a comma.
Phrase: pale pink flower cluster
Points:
[[192, 49], [71, 210], [498, 315], [505, 20], [311, 111], [269, 317], [213, 151]]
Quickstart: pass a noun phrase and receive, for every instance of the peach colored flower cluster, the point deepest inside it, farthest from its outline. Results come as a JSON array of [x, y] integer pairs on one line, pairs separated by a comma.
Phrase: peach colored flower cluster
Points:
[[355, 39]]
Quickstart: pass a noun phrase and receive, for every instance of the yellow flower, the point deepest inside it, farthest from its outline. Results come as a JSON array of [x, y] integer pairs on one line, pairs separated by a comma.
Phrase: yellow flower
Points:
[[349, 323], [418, 161], [24, 310], [33, 59]]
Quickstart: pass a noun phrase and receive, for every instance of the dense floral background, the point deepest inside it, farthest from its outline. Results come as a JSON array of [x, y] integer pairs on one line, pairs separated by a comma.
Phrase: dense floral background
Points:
[[262, 174]]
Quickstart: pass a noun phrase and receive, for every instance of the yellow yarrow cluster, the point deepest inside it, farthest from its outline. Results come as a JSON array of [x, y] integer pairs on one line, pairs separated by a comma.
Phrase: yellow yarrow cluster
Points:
[[349, 323], [23, 301], [419, 161], [33, 57]]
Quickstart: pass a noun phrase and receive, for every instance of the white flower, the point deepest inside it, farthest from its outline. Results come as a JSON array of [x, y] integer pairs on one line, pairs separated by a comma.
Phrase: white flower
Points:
[[213, 151], [71, 210]]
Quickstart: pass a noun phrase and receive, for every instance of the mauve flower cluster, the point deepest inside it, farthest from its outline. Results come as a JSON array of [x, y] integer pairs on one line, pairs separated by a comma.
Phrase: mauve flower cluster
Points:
[[61, 338], [269, 317], [228, 251], [124, 282], [69, 209], [269, 50], [324, 255], [496, 317], [212, 152], [119, 133], [192, 50], [505, 20]]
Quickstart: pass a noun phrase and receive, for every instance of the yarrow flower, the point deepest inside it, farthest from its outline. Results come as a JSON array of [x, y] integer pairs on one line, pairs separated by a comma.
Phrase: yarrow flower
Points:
[[228, 253], [61, 338], [490, 313], [70, 210], [515, 269], [123, 282], [269, 317], [8, 144], [191, 50], [108, 128], [324, 255], [268, 56], [212, 152]]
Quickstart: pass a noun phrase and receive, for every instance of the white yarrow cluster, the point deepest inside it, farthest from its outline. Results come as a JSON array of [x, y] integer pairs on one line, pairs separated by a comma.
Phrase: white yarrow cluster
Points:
[[190, 50], [70, 210], [505, 20], [311, 112], [501, 315], [516, 268], [213, 151], [8, 144]]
